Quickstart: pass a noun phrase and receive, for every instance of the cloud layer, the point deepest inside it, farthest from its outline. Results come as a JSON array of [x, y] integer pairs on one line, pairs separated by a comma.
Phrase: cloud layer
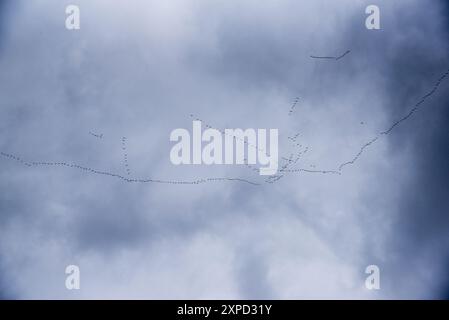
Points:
[[139, 69]]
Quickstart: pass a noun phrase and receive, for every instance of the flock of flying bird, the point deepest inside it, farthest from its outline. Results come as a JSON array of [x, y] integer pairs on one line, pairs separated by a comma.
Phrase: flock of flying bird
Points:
[[287, 167]]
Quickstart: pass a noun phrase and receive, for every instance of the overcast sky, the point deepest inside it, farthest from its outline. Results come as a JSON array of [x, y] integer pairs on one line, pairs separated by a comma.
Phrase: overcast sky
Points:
[[73, 103]]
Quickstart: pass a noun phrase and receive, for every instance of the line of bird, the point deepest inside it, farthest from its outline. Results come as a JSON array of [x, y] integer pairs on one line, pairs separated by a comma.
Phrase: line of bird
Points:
[[292, 159], [111, 174]]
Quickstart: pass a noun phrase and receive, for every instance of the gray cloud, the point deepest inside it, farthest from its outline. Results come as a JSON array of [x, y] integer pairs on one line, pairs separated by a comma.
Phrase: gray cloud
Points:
[[139, 70]]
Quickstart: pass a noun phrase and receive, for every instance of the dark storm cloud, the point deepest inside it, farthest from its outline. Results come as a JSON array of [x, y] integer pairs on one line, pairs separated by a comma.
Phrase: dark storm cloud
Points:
[[424, 222], [138, 71], [412, 65]]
